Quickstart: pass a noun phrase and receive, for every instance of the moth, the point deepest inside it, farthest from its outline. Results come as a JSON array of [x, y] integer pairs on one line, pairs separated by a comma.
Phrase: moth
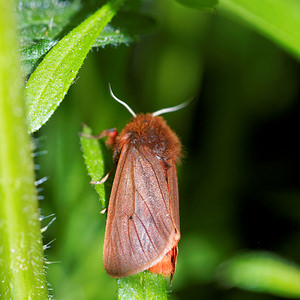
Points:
[[143, 226]]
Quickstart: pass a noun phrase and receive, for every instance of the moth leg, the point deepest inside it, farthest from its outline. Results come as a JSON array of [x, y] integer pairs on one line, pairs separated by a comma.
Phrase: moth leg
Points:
[[102, 180], [111, 135], [103, 211]]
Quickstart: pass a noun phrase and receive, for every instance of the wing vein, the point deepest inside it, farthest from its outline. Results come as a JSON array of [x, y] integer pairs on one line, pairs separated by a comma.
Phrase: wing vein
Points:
[[139, 238], [154, 247], [130, 242], [133, 182], [157, 180], [151, 216]]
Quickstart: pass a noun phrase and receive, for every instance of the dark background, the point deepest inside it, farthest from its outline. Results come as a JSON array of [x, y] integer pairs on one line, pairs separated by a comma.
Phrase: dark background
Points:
[[239, 178]]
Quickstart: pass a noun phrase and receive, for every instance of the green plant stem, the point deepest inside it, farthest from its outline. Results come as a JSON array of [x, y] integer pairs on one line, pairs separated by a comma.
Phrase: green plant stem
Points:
[[51, 80], [22, 271]]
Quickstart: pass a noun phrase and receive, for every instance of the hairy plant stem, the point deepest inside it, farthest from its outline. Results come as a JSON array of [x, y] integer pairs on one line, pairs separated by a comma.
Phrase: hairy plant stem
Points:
[[22, 271]]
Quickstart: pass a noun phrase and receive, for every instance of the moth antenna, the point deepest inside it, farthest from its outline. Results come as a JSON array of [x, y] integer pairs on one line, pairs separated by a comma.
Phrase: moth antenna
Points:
[[171, 109], [122, 102]]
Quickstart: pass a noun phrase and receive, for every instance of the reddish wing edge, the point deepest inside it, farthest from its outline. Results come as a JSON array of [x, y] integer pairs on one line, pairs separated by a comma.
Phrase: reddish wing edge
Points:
[[143, 217], [167, 265]]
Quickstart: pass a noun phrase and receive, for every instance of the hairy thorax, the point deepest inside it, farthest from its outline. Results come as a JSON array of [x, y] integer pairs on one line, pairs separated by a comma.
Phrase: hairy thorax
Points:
[[152, 132]]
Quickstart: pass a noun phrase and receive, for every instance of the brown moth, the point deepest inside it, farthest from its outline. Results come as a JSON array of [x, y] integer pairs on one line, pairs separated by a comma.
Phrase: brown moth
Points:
[[143, 228]]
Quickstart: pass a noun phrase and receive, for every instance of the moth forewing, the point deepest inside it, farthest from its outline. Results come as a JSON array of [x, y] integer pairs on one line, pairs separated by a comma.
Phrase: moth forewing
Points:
[[143, 228]]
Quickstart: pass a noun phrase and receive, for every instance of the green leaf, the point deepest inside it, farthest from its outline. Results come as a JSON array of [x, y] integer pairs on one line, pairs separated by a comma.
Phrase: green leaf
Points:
[[32, 51], [278, 20], [22, 269], [142, 286], [51, 80], [43, 22], [262, 272], [199, 4], [94, 160]]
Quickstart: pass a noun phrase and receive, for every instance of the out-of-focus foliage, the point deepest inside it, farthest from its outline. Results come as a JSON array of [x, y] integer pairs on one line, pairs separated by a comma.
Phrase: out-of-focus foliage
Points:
[[262, 272], [239, 178], [200, 4], [127, 27], [275, 19]]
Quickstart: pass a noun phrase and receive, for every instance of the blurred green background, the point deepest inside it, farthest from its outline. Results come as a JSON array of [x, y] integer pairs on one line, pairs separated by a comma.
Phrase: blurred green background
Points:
[[239, 178]]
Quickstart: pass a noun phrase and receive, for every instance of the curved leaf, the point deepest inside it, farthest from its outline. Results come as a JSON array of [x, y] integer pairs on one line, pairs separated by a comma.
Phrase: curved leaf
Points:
[[51, 80]]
